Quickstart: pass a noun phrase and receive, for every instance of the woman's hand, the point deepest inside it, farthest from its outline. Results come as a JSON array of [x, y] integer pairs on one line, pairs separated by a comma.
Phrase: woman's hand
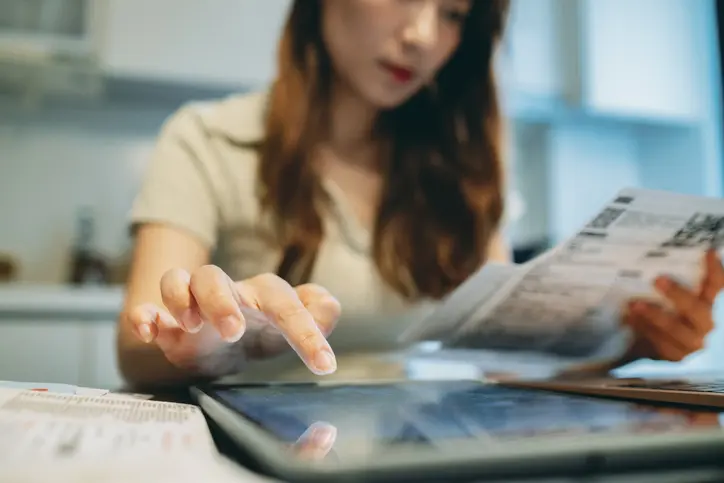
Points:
[[211, 324], [672, 334]]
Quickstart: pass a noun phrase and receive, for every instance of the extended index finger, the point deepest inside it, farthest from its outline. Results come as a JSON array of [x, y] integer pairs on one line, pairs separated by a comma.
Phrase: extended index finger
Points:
[[281, 304]]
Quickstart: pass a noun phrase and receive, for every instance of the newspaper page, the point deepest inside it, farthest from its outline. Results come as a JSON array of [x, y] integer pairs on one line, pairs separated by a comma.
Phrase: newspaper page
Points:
[[55, 436], [133, 469], [47, 426], [448, 317], [567, 303]]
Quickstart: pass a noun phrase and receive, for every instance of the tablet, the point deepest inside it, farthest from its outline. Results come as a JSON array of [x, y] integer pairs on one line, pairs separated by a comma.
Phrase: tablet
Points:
[[435, 430]]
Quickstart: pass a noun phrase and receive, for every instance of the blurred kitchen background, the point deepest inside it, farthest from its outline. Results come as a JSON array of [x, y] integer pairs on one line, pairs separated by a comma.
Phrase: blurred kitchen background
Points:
[[601, 94]]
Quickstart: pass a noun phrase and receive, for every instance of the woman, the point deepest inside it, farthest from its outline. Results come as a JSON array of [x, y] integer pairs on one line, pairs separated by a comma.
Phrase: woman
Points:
[[372, 167]]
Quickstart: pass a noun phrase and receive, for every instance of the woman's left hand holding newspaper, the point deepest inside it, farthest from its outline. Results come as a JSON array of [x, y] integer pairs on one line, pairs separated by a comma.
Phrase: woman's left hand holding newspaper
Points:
[[672, 333]]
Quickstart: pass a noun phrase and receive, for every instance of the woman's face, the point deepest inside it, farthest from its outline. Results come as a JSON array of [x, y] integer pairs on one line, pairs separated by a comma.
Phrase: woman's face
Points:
[[386, 50]]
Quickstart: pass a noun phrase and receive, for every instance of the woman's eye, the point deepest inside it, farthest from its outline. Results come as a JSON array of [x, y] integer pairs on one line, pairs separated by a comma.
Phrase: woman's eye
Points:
[[456, 16]]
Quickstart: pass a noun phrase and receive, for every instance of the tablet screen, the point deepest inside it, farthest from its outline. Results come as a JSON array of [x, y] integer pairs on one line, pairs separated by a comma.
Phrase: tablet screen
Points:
[[370, 417]]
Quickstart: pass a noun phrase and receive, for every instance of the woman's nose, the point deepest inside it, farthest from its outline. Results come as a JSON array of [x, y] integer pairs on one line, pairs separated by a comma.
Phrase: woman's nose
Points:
[[421, 31]]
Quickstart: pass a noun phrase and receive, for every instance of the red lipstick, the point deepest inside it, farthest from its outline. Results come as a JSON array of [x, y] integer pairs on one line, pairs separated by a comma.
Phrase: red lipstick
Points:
[[399, 73]]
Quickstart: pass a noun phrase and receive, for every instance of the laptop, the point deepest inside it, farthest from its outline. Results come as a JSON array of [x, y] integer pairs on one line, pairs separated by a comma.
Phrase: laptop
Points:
[[451, 430], [699, 391]]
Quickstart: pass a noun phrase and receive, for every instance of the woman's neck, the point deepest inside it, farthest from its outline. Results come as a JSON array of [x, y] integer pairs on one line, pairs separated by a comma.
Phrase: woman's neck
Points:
[[351, 125], [350, 158]]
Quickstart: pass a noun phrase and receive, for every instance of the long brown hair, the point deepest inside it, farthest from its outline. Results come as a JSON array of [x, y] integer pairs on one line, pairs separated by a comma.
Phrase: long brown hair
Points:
[[442, 199]]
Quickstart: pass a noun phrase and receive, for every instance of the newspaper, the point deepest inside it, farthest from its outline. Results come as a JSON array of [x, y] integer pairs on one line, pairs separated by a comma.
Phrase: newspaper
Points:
[[47, 425], [71, 389], [133, 469], [74, 437], [476, 292], [566, 304]]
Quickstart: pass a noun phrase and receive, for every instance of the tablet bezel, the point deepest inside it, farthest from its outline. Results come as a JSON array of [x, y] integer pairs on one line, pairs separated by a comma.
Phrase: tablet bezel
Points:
[[601, 453]]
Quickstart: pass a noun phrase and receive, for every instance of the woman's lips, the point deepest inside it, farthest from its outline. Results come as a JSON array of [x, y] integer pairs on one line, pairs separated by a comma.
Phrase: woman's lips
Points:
[[401, 74]]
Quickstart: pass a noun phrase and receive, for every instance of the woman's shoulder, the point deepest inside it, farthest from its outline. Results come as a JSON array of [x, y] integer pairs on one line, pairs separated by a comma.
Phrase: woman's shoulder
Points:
[[236, 120], [202, 174]]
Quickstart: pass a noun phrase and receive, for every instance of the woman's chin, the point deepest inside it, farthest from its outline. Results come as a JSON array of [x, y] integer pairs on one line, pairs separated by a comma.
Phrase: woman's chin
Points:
[[386, 99]]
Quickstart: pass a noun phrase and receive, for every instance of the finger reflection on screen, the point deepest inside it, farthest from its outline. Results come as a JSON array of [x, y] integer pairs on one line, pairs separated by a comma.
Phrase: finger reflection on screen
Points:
[[705, 419], [701, 418], [674, 418], [316, 442]]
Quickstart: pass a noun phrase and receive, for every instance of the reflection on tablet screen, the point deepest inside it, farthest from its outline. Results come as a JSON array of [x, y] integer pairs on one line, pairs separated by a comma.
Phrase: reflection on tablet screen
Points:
[[367, 418]]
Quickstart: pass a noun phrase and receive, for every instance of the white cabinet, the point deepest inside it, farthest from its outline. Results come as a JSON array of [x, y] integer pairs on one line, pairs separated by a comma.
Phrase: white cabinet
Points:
[[42, 351], [206, 42], [59, 351], [59, 334], [587, 164], [101, 347], [644, 58], [536, 58], [32, 26]]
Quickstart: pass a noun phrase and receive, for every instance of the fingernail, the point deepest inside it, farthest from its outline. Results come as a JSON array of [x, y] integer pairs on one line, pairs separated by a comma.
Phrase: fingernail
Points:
[[190, 321], [324, 362], [144, 330], [323, 437], [231, 328]]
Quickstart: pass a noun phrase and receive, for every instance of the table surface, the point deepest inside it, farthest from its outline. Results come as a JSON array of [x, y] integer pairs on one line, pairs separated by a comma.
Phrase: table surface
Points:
[[367, 367]]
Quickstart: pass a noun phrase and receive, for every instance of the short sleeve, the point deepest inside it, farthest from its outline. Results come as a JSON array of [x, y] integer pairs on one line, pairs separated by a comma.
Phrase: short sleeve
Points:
[[177, 189]]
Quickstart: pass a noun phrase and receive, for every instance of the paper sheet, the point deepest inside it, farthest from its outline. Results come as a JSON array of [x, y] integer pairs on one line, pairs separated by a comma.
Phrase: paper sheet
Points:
[[41, 386], [479, 290], [70, 389], [132, 469], [566, 304], [96, 438], [45, 426]]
